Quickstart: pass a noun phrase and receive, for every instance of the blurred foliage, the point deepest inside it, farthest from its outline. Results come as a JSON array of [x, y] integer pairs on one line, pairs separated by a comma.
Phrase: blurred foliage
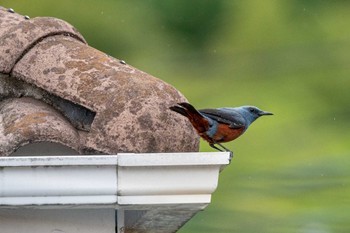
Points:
[[190, 22], [291, 171]]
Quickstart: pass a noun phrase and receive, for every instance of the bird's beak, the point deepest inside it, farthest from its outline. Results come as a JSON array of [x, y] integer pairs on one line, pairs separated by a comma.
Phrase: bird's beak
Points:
[[262, 113]]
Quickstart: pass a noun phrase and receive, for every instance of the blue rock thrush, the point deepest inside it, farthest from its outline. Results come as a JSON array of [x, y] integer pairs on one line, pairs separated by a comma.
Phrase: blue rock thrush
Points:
[[221, 124]]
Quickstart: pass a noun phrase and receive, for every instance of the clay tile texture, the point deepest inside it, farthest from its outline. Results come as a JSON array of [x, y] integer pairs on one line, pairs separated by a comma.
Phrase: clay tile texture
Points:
[[55, 88]]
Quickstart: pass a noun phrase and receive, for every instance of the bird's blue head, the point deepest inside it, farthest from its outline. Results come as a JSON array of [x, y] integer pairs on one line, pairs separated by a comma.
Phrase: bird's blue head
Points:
[[251, 113]]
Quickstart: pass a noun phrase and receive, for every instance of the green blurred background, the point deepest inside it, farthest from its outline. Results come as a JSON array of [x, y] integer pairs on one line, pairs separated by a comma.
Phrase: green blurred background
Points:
[[291, 171]]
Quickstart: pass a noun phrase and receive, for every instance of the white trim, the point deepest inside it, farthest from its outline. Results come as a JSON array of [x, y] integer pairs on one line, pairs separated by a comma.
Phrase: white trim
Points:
[[164, 199], [173, 159], [65, 160], [123, 179]]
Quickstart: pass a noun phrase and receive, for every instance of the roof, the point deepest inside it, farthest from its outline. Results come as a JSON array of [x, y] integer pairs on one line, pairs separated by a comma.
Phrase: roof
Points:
[[56, 88]]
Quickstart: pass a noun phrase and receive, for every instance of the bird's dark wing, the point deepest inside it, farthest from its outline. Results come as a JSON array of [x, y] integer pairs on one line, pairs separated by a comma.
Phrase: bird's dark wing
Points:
[[230, 117]]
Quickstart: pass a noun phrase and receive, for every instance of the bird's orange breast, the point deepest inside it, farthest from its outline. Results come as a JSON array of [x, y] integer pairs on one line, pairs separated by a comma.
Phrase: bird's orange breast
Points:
[[225, 134]]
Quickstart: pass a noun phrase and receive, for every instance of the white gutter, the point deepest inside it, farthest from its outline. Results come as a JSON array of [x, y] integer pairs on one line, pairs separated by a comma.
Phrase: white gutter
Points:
[[123, 179], [152, 184]]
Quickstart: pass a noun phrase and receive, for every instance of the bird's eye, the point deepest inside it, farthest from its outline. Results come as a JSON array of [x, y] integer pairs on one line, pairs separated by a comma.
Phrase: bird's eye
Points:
[[252, 110]]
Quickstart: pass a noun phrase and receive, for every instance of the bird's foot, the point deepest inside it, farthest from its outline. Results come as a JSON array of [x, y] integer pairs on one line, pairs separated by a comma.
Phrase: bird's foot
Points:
[[231, 156]]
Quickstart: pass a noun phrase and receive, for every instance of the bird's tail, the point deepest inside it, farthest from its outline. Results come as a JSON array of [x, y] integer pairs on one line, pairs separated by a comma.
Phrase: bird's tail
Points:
[[199, 122]]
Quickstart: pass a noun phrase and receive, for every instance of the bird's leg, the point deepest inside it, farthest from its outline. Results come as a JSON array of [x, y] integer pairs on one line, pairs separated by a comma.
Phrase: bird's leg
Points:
[[213, 146], [227, 150], [222, 147]]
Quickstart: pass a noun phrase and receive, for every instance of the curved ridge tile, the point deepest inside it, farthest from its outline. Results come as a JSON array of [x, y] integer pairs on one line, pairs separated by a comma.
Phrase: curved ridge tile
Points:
[[26, 120]]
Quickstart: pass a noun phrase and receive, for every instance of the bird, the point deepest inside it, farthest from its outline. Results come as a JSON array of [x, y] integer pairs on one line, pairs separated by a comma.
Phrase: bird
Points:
[[219, 125]]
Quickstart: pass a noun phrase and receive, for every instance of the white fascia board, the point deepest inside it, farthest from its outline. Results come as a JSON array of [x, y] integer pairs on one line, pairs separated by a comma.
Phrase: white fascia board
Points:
[[123, 179]]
